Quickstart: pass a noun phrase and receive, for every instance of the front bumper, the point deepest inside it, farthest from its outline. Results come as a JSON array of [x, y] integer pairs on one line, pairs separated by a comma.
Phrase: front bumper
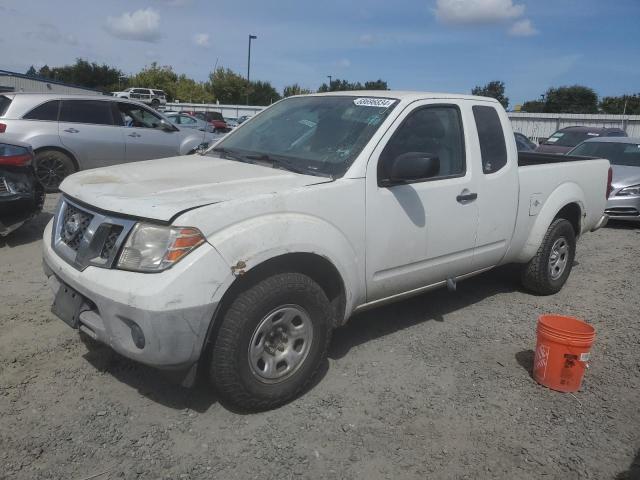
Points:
[[173, 309], [623, 208]]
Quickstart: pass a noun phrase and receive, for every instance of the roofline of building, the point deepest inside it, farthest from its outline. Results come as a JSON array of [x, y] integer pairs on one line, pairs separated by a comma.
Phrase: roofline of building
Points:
[[44, 79]]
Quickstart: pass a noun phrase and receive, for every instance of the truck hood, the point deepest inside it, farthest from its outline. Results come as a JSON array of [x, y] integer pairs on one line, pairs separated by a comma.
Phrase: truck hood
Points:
[[161, 189]]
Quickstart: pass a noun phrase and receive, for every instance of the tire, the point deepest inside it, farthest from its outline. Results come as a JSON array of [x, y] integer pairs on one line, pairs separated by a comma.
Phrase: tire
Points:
[[249, 351], [52, 167], [547, 272], [155, 103]]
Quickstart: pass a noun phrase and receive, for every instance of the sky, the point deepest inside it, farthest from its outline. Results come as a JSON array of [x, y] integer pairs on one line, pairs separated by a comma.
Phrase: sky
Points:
[[427, 45]]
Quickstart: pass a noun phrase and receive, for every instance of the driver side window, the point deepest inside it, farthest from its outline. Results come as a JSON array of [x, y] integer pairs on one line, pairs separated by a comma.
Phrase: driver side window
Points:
[[434, 131], [137, 116]]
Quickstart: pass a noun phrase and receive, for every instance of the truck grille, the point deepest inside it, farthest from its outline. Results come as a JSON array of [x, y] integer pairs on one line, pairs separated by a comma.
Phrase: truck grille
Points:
[[83, 237], [74, 225]]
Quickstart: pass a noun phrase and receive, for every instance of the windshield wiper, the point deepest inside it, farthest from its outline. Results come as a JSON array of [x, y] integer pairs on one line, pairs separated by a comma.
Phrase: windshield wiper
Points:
[[232, 155], [277, 162]]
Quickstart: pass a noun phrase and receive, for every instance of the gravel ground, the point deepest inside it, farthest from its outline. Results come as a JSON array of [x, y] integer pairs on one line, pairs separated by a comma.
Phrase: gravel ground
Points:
[[438, 386]]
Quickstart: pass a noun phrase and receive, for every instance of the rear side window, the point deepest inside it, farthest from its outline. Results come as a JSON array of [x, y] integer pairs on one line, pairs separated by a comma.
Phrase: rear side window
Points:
[[47, 111], [492, 145], [159, 93], [86, 111], [4, 104]]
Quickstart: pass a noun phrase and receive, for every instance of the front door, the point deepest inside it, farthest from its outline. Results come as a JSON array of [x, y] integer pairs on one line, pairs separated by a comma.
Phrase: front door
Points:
[[423, 232], [144, 134]]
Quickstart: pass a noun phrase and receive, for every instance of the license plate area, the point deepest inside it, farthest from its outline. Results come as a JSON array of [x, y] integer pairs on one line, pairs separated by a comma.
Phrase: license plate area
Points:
[[68, 304]]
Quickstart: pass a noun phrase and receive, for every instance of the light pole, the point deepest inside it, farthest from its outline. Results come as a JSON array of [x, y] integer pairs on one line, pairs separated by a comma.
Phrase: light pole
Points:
[[329, 77], [251, 37]]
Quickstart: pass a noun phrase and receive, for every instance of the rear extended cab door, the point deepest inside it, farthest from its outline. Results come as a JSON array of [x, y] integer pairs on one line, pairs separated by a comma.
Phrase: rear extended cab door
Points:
[[87, 129], [498, 182]]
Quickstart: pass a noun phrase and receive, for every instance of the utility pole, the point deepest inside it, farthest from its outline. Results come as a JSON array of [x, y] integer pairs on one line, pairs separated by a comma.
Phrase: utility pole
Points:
[[251, 37], [329, 77]]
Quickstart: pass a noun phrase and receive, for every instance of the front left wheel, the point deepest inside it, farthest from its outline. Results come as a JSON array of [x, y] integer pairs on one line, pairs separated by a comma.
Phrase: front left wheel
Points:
[[271, 342]]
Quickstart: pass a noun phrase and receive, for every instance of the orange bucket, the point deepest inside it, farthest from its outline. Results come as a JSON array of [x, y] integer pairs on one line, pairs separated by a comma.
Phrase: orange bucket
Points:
[[562, 352]]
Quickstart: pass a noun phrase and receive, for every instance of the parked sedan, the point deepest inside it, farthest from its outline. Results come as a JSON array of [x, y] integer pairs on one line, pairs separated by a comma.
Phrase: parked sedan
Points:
[[188, 121], [566, 138], [21, 196], [214, 118], [524, 143], [624, 156], [76, 132]]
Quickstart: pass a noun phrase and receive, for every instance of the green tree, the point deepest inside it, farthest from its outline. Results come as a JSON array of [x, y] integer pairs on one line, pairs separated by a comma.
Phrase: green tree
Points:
[[627, 104], [158, 77], [190, 91], [227, 86], [32, 71], [376, 85], [262, 93], [533, 106], [572, 99], [90, 75], [294, 89], [45, 72], [494, 89]]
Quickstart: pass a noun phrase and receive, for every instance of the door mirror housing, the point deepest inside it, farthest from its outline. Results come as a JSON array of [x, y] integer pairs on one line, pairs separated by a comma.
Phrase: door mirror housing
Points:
[[167, 126], [412, 167]]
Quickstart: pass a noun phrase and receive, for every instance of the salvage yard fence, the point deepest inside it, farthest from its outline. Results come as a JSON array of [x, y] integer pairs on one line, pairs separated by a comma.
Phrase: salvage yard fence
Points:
[[536, 126]]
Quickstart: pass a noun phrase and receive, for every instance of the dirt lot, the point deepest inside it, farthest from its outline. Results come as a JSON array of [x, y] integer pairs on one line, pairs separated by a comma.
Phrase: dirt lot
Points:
[[434, 387]]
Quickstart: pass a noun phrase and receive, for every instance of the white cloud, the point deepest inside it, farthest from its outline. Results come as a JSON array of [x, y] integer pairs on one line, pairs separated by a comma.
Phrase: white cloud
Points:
[[367, 39], [477, 11], [202, 40], [49, 33], [523, 28], [343, 63], [141, 25]]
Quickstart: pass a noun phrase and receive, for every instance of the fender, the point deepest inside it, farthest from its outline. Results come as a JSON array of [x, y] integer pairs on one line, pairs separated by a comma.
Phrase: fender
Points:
[[249, 243], [562, 196]]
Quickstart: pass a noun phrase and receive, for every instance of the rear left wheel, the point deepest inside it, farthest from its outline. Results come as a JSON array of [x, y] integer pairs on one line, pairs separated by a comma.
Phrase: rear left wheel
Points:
[[52, 167], [271, 342]]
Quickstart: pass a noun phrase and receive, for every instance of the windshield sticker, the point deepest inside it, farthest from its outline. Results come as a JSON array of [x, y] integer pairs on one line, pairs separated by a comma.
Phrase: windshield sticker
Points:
[[553, 139], [374, 102], [591, 134]]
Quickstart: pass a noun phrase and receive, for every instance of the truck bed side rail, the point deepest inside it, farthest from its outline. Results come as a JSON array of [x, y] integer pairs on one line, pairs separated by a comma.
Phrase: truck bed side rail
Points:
[[536, 158]]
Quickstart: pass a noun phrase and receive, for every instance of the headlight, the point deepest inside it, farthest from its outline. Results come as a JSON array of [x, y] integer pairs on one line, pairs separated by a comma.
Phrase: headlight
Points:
[[153, 248], [631, 191]]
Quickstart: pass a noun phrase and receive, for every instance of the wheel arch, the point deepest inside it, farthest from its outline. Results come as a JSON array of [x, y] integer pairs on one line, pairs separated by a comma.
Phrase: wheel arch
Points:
[[61, 150]]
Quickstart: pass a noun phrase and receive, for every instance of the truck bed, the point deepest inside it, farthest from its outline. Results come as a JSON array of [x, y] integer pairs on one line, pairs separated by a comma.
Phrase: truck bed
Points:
[[536, 158]]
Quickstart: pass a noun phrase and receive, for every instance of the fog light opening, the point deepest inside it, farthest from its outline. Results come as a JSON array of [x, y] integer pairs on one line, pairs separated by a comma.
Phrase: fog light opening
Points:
[[137, 336]]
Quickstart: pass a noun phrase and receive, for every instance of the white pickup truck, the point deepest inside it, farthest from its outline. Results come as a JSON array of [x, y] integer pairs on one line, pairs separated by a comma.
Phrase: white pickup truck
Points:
[[243, 260]]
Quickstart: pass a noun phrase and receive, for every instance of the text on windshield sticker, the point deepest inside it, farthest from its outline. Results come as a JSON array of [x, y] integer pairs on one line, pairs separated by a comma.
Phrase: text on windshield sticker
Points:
[[373, 102]]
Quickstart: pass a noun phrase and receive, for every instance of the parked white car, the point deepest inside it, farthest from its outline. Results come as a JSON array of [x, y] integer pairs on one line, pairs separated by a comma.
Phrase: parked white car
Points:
[[149, 96], [319, 207]]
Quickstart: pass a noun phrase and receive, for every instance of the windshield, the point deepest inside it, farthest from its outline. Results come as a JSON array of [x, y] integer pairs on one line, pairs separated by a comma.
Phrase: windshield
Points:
[[569, 139], [627, 154], [318, 135]]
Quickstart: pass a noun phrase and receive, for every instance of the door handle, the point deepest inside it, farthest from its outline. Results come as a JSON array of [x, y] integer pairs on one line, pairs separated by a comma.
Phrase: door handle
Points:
[[72, 130], [466, 196], [135, 135]]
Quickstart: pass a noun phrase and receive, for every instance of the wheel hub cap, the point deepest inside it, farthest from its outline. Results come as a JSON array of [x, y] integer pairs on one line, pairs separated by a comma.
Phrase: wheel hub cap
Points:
[[280, 343], [558, 258]]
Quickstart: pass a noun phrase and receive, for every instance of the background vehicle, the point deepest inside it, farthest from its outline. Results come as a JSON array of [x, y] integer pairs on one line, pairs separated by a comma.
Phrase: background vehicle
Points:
[[243, 119], [281, 233], [76, 132], [624, 155], [155, 98], [523, 143], [214, 118], [21, 196], [566, 138], [188, 121], [231, 122]]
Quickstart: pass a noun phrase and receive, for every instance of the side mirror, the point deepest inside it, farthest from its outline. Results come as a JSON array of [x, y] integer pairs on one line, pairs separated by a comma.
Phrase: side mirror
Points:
[[167, 126], [412, 166]]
